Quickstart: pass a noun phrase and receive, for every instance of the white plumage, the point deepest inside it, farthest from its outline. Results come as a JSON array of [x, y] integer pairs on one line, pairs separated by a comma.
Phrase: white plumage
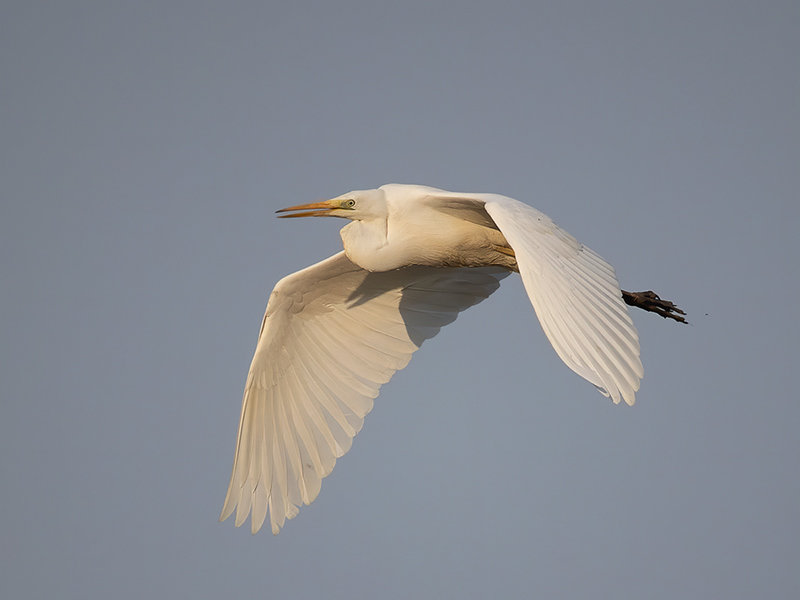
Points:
[[414, 258]]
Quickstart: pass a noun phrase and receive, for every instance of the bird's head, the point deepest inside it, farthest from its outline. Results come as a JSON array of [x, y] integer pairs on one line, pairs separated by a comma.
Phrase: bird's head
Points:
[[358, 205]]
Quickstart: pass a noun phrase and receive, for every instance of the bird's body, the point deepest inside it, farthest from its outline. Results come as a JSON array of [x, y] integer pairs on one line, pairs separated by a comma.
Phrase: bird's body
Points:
[[414, 257], [435, 231]]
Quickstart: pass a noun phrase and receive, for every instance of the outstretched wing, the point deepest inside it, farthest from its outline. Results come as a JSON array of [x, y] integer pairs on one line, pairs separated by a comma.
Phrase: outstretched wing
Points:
[[331, 336], [576, 296]]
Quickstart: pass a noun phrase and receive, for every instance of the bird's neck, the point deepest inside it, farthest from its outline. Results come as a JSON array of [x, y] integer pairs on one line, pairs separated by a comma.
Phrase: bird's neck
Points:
[[365, 243]]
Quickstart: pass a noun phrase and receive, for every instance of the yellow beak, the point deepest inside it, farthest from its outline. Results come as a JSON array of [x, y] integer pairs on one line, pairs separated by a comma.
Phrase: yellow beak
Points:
[[315, 209]]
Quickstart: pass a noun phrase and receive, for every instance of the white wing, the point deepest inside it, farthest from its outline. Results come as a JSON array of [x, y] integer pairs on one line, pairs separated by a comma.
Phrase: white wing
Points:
[[331, 336], [576, 296]]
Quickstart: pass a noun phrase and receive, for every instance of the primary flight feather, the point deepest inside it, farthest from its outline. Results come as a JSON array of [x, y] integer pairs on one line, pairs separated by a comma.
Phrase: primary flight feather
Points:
[[414, 257]]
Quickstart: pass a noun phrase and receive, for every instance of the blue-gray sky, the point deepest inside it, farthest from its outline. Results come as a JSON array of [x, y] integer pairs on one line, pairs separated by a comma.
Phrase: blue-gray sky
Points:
[[144, 148]]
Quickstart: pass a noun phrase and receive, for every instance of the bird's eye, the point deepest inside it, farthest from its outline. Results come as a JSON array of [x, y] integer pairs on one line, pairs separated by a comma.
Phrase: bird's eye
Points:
[[349, 203]]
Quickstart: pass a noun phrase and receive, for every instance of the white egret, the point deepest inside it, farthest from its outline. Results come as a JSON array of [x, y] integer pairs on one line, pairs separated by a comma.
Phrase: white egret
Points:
[[414, 257]]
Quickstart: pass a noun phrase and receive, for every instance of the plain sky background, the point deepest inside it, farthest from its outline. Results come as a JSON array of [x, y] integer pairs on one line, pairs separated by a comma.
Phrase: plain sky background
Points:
[[143, 149]]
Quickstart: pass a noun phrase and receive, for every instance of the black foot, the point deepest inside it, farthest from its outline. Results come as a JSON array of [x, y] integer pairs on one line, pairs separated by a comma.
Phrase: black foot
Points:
[[650, 301]]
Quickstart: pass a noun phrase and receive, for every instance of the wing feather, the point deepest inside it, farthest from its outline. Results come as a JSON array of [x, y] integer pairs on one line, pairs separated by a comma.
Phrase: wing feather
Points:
[[331, 336], [311, 416], [576, 296]]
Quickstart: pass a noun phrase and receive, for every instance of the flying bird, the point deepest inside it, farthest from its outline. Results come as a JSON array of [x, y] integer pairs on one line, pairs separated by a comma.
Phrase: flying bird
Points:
[[414, 257]]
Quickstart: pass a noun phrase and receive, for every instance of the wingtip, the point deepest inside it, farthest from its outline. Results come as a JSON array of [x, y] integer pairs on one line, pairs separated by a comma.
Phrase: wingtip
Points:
[[226, 511]]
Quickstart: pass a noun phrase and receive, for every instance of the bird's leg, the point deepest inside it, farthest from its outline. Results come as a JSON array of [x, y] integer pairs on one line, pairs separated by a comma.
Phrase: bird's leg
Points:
[[505, 250], [505, 262], [650, 301]]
